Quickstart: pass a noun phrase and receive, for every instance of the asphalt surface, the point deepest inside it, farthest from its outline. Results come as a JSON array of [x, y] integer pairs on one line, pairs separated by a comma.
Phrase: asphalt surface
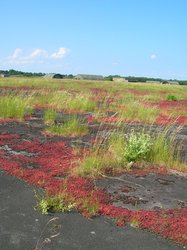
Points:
[[23, 228]]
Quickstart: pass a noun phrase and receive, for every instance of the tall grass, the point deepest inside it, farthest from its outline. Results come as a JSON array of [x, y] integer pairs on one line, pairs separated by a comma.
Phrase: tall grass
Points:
[[71, 127], [69, 102], [49, 116], [120, 152], [165, 151], [138, 112], [13, 107]]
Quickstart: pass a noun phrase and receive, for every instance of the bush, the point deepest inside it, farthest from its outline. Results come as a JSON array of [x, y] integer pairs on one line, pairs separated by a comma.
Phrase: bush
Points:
[[171, 98], [138, 146]]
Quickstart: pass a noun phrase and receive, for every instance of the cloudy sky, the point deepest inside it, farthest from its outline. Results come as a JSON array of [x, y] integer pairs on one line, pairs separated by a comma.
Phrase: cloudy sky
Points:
[[125, 37]]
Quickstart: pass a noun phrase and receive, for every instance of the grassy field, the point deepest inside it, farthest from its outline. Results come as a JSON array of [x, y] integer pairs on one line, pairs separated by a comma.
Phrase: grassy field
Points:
[[64, 135]]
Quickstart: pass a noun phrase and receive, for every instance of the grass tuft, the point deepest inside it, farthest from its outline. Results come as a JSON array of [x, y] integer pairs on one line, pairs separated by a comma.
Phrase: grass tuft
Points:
[[71, 127], [49, 116], [13, 107]]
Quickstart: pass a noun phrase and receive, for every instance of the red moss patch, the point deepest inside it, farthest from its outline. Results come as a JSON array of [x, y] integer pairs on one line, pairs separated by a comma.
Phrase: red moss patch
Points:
[[166, 119]]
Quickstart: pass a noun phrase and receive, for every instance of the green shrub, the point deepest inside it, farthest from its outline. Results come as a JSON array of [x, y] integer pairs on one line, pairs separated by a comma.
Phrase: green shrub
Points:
[[171, 97], [138, 146]]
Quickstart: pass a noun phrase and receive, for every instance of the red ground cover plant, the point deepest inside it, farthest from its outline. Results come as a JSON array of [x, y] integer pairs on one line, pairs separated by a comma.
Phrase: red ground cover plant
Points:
[[5, 120], [48, 165], [18, 87], [166, 119]]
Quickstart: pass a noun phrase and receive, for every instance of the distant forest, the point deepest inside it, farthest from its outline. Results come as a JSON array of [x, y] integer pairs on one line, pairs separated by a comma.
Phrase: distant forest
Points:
[[12, 72]]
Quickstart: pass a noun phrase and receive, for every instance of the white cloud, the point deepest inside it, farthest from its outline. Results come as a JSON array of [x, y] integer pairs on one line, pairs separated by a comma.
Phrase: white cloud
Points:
[[153, 56], [17, 52], [37, 55], [60, 53]]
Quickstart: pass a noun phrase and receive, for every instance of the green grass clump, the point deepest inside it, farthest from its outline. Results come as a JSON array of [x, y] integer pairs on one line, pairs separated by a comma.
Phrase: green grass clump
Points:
[[13, 107], [138, 112], [92, 165], [81, 103], [71, 127], [69, 102], [49, 116], [164, 151]]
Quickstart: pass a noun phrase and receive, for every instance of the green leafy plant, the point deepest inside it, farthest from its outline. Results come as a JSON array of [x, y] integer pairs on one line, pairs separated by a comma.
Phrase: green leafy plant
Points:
[[57, 203], [171, 97], [138, 146]]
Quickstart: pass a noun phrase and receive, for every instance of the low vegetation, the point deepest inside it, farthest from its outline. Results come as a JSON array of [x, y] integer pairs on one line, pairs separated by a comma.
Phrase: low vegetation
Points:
[[121, 152], [47, 203], [13, 107], [49, 116], [128, 130], [136, 111], [72, 127]]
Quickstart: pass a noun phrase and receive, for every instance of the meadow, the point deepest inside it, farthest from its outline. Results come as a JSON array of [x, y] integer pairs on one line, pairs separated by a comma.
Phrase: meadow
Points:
[[69, 136]]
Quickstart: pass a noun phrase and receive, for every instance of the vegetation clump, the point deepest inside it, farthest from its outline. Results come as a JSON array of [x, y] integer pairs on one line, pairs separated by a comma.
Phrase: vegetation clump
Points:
[[14, 107], [49, 116], [71, 127], [171, 97], [47, 203], [138, 146], [121, 152]]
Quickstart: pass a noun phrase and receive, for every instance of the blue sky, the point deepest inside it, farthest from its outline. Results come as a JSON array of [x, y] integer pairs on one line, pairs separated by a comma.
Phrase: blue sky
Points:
[[125, 37]]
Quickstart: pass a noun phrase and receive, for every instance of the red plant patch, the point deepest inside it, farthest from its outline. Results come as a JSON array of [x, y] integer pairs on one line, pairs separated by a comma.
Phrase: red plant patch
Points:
[[5, 120], [166, 119]]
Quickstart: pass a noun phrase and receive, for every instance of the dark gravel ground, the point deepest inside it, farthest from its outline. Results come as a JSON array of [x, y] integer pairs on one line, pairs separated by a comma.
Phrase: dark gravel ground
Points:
[[21, 226], [151, 191]]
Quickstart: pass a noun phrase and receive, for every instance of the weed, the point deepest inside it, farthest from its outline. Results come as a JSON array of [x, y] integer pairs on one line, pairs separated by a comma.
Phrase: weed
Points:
[[13, 107], [49, 116], [138, 112], [171, 97], [57, 203], [42, 242], [164, 151], [90, 205], [138, 146], [71, 127], [67, 101]]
